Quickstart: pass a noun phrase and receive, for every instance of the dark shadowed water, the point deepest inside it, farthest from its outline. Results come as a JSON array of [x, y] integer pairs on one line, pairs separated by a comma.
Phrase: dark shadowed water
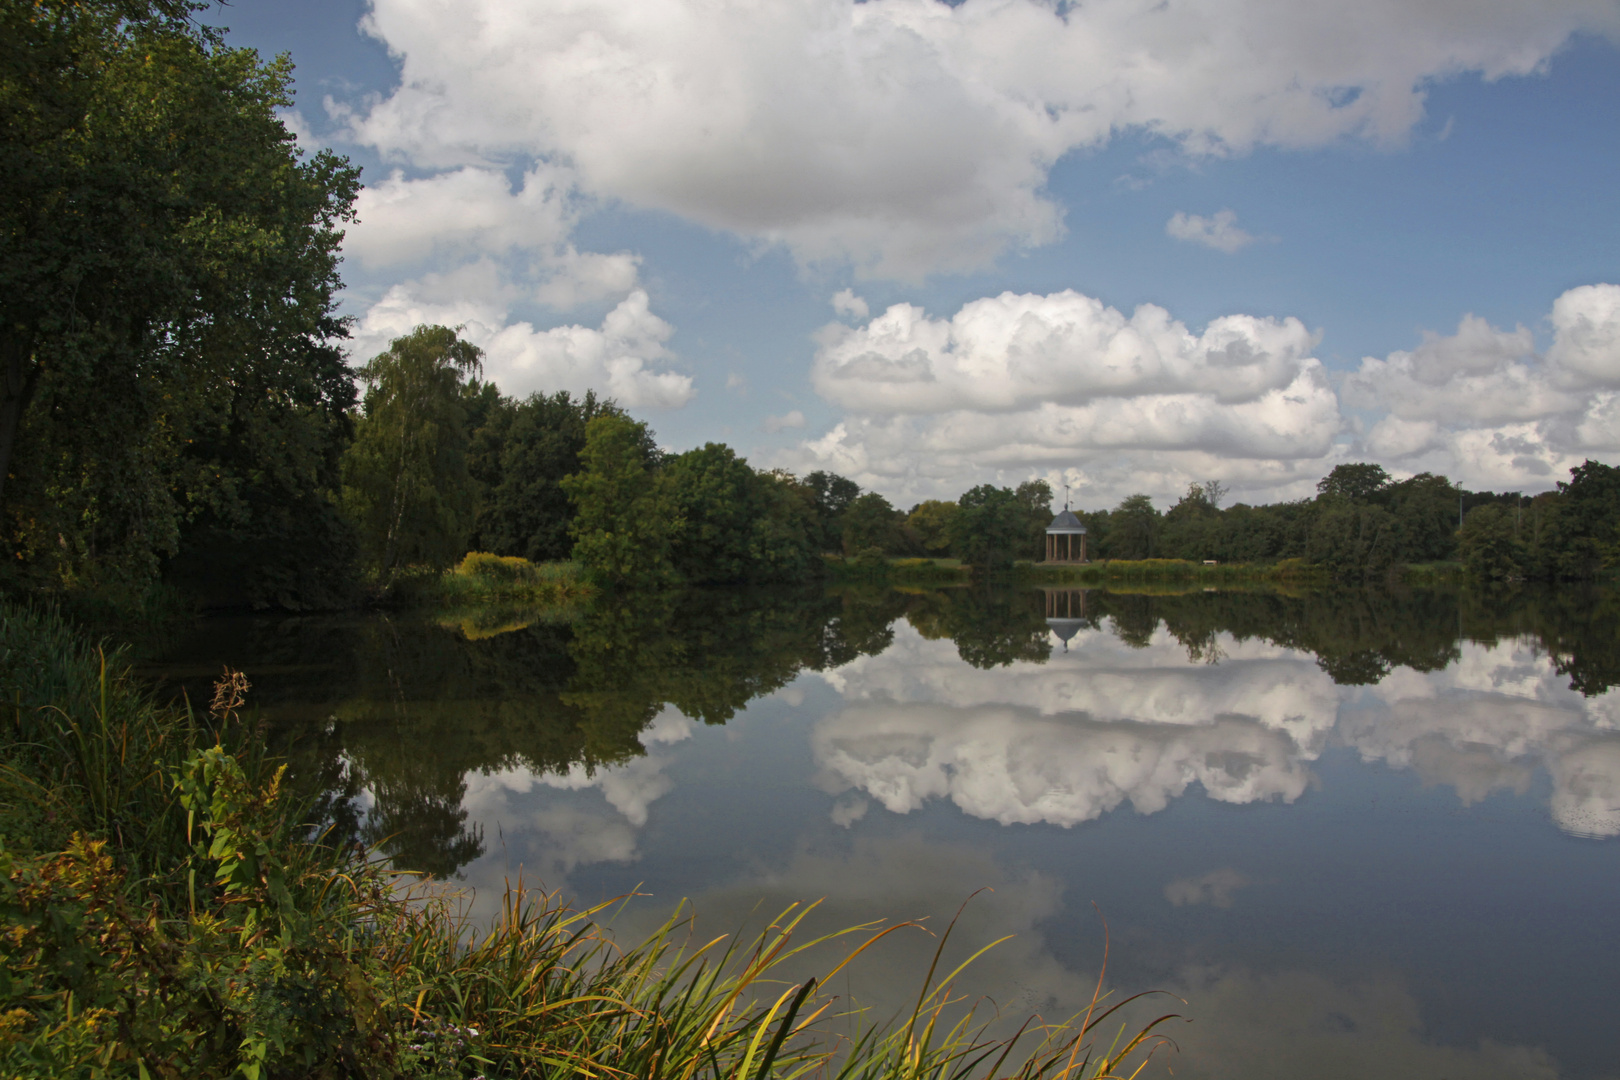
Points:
[[1362, 834]]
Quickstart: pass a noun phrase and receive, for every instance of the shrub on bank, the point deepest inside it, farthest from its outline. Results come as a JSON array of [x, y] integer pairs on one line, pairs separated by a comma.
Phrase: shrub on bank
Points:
[[482, 578]]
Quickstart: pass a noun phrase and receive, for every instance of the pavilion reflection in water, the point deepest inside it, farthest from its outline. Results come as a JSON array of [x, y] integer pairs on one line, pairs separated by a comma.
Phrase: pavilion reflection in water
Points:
[[1066, 613]]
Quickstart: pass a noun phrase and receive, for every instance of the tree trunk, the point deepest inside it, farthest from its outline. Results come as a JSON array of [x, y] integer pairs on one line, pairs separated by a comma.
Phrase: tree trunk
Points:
[[19, 375]]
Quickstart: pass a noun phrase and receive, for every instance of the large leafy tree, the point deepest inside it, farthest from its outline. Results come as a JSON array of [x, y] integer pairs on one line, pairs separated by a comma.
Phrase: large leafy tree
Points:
[[405, 479], [738, 524], [625, 518], [716, 496], [1133, 531], [1191, 527], [990, 526], [871, 522], [831, 495], [929, 522], [1357, 482], [168, 263], [520, 453], [1489, 544], [1425, 509], [1590, 519], [1035, 498]]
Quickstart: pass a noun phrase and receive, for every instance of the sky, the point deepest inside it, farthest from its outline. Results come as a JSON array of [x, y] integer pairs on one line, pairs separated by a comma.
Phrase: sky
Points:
[[1120, 245]]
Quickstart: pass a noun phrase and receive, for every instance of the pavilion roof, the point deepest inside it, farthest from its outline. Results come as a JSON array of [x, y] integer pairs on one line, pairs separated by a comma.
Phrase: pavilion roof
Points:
[[1066, 523]]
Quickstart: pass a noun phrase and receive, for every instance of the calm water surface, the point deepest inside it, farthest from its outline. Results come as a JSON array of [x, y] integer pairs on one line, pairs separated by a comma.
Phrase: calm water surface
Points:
[[1361, 834]]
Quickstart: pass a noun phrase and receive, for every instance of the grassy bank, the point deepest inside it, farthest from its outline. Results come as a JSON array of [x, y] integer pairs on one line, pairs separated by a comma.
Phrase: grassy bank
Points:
[[869, 567], [1288, 573], [168, 911], [482, 579]]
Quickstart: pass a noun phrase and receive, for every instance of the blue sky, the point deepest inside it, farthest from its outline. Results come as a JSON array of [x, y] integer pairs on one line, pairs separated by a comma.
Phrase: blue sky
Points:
[[1241, 238]]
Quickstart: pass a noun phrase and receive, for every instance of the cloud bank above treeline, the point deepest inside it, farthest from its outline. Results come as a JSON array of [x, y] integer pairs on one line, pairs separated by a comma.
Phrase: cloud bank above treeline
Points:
[[1079, 393]]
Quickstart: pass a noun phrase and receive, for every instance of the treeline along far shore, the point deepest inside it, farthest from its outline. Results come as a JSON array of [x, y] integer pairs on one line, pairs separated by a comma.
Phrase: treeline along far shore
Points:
[[443, 463], [433, 462]]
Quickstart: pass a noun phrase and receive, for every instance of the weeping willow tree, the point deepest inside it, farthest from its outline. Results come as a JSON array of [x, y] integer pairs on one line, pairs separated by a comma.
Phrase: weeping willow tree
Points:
[[405, 479]]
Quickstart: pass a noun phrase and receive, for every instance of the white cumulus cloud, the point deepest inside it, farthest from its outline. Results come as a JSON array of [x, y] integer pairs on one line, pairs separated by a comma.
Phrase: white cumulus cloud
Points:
[[1220, 232], [472, 215], [845, 302], [1014, 351], [1064, 387], [1017, 384], [1483, 406], [622, 357], [910, 136]]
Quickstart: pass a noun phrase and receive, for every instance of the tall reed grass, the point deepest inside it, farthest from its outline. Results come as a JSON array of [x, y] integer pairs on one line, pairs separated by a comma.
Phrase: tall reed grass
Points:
[[1288, 572], [167, 910]]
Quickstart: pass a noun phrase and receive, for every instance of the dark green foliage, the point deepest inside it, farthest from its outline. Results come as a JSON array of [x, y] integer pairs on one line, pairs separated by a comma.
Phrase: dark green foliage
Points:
[[1425, 509], [1570, 534], [1589, 520], [991, 628], [739, 525], [626, 519], [991, 527], [519, 455], [1489, 545], [169, 269], [831, 495], [871, 523], [702, 517], [1133, 529], [405, 478], [929, 524], [1191, 528], [1357, 483], [782, 549], [169, 891], [1034, 498], [1353, 539]]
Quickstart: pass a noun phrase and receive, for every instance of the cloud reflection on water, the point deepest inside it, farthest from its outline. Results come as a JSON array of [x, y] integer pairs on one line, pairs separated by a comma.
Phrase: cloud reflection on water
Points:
[[1103, 724], [1071, 740], [566, 834], [1018, 767]]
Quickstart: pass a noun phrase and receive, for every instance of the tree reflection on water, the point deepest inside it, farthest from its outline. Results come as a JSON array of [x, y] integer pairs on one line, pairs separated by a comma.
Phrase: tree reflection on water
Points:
[[384, 719]]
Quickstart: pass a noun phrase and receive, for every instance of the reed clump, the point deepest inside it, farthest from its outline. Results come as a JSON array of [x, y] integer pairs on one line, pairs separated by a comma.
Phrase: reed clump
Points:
[[167, 910], [485, 579]]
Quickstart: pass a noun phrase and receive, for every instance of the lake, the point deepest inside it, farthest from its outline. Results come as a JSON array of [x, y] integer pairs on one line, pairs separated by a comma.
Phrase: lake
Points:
[[1358, 832]]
